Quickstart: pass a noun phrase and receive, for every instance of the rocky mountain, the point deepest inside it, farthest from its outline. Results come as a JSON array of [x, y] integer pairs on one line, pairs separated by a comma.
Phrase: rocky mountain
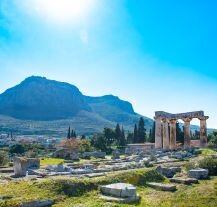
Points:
[[51, 103]]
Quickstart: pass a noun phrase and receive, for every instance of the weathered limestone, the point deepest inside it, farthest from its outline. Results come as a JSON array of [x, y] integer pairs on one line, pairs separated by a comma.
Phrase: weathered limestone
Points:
[[198, 173], [119, 192], [203, 131], [169, 172], [163, 187], [166, 141], [171, 136], [173, 133], [22, 165], [187, 132], [185, 181], [40, 203], [158, 140]]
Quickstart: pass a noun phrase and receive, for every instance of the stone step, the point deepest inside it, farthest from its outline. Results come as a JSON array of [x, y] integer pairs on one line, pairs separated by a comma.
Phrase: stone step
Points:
[[186, 181], [163, 187]]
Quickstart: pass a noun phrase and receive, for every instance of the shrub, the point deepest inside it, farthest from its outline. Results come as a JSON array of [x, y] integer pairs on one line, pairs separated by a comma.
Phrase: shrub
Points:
[[3, 158], [17, 148], [209, 163]]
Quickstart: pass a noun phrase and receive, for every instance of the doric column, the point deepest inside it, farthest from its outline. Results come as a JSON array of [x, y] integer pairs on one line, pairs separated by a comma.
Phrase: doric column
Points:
[[203, 131], [173, 133], [158, 138], [166, 141], [187, 132]]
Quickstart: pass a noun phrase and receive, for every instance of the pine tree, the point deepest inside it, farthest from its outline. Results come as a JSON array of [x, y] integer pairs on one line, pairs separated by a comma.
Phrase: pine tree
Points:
[[141, 131], [135, 134], [69, 135], [118, 134]]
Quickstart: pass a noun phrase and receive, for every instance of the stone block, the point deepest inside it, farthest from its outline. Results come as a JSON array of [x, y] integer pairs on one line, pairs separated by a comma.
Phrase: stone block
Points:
[[198, 173], [120, 190], [163, 187], [22, 165], [186, 181]]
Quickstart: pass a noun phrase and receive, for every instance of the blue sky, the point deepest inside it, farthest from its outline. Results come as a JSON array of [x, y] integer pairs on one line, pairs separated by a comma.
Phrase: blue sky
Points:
[[159, 55]]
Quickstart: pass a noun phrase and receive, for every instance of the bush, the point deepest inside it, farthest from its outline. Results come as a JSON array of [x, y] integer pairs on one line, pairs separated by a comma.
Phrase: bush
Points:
[[3, 158], [209, 163], [17, 149]]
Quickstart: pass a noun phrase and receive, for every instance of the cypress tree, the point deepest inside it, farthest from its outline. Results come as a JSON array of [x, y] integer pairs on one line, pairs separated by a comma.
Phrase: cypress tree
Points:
[[72, 134], [122, 139], [69, 133], [141, 131], [129, 138], [118, 134], [135, 134]]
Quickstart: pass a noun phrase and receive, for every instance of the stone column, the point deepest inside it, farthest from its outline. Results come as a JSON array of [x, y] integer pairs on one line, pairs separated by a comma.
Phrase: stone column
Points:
[[166, 141], [203, 131], [187, 132], [158, 138], [173, 133]]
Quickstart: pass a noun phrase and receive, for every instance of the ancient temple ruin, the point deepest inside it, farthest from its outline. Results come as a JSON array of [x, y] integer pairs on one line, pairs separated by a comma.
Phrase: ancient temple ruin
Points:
[[165, 129]]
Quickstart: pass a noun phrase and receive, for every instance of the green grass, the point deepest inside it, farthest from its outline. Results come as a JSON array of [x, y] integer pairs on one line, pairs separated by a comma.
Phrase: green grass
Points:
[[207, 152], [75, 192], [62, 189], [50, 161]]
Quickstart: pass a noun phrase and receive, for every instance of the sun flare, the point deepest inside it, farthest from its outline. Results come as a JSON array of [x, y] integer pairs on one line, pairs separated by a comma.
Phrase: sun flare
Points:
[[63, 10]]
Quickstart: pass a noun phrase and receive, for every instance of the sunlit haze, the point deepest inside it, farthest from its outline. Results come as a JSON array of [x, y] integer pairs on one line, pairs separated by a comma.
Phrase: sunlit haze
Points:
[[61, 11]]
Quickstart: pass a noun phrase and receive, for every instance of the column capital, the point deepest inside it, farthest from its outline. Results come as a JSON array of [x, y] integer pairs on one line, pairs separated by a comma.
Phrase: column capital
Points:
[[164, 120], [203, 118], [187, 119], [157, 118], [172, 121]]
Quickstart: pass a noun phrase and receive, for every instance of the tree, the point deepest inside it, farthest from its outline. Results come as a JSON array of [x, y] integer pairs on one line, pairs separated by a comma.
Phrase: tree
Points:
[[135, 134], [72, 134], [118, 134], [122, 138], [141, 131], [71, 144], [129, 138], [179, 133], [212, 138], [17, 148], [4, 159], [109, 135], [83, 136], [69, 133], [98, 141]]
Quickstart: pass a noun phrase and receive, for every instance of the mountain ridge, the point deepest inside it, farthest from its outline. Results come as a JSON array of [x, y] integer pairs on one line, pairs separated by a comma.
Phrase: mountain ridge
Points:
[[40, 99]]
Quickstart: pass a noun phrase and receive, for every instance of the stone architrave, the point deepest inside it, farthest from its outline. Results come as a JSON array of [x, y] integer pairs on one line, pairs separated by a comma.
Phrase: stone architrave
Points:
[[203, 131], [187, 132], [166, 141], [158, 138], [173, 133]]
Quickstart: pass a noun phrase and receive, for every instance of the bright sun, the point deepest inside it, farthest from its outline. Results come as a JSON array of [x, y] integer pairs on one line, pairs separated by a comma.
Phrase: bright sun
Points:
[[63, 10]]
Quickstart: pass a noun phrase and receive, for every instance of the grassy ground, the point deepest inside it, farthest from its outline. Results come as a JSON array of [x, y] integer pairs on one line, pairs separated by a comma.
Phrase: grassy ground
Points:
[[207, 152], [50, 161], [201, 195], [71, 192]]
